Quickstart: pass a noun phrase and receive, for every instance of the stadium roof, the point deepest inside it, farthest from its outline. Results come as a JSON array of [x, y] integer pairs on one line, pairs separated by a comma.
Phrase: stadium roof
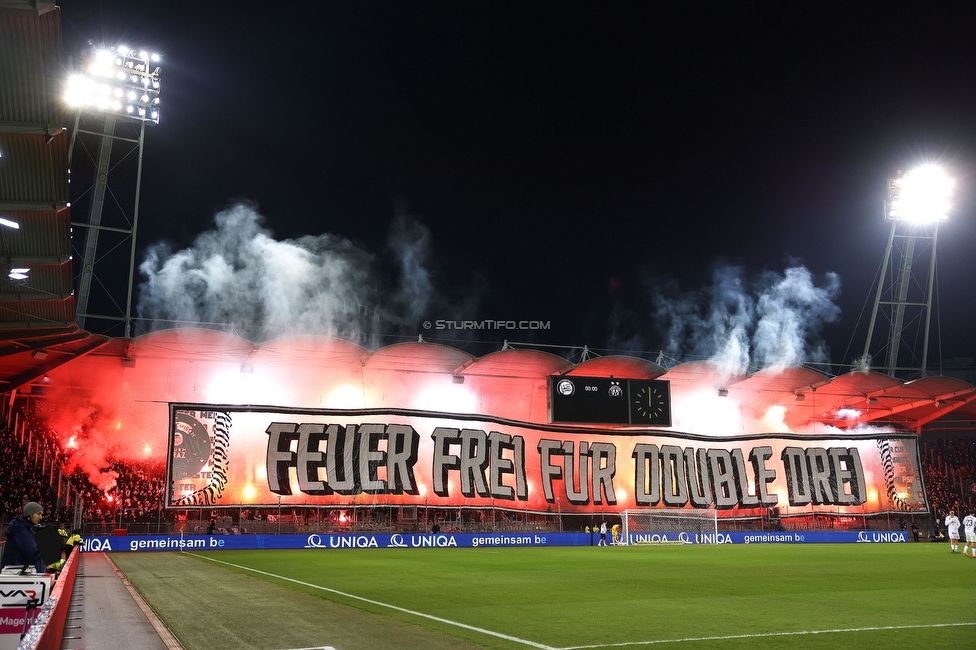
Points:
[[37, 312], [304, 370], [36, 232]]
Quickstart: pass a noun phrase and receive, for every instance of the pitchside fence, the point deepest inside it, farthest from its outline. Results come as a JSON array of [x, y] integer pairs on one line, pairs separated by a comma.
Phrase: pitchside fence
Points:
[[345, 520]]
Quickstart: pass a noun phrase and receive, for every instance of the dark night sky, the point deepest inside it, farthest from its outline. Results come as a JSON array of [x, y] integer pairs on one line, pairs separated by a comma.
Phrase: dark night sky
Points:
[[569, 155]]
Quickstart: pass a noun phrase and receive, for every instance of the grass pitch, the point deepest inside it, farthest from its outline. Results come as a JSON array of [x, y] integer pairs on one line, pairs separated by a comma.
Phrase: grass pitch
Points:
[[776, 596]]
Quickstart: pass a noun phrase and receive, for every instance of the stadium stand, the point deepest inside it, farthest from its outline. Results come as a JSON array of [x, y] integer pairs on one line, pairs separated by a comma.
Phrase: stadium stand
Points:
[[948, 466], [134, 500]]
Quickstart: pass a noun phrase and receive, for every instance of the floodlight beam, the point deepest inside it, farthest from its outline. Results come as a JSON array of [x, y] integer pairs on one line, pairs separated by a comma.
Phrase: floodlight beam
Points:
[[928, 312], [118, 83], [132, 249], [106, 74], [94, 219], [921, 196], [918, 203]]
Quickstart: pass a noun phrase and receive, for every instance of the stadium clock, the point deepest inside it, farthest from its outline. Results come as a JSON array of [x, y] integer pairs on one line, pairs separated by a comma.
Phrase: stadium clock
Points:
[[606, 400], [650, 403]]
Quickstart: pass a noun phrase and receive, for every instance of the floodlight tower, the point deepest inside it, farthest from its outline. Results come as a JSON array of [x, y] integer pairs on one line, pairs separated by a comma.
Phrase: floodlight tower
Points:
[[918, 202], [121, 85]]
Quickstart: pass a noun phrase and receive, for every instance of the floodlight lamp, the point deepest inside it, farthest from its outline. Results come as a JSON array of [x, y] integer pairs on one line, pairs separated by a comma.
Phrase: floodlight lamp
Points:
[[17, 276], [920, 196], [9, 224], [109, 76]]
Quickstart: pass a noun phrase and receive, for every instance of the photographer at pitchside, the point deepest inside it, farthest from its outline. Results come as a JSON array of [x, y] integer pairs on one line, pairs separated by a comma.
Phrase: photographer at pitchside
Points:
[[21, 547]]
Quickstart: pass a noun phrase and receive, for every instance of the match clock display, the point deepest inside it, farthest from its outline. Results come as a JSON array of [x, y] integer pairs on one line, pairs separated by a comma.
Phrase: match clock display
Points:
[[650, 403], [605, 400]]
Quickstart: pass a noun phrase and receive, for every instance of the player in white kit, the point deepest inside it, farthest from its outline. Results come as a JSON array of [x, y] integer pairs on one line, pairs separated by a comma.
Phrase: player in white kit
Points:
[[969, 527], [952, 523]]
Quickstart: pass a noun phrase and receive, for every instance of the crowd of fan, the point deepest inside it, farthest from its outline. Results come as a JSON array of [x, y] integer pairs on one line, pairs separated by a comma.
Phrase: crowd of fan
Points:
[[22, 479], [30, 471], [136, 497], [949, 481], [942, 496], [960, 453]]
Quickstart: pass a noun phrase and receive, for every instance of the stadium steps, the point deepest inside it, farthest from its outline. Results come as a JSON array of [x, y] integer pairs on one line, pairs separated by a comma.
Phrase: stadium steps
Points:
[[107, 613]]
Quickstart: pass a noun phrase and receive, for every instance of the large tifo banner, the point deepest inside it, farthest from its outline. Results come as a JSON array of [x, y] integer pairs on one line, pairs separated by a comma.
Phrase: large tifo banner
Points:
[[263, 456]]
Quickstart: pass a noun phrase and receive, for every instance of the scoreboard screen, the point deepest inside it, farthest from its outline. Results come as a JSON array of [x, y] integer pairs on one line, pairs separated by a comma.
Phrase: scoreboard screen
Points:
[[605, 400]]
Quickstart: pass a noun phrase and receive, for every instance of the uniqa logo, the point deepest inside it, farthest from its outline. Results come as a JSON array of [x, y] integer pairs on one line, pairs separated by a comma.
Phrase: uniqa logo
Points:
[[314, 541], [342, 541], [396, 541], [644, 538], [352, 541], [705, 538], [95, 544], [418, 541], [881, 537]]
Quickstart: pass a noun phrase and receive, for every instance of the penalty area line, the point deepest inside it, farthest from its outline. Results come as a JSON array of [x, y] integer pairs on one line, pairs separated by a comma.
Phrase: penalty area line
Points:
[[728, 637], [431, 617]]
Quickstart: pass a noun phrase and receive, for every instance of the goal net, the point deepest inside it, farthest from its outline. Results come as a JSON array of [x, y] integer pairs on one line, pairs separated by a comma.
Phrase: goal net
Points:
[[669, 526]]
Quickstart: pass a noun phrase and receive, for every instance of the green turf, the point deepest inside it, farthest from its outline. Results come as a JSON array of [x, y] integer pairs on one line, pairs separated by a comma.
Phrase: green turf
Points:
[[209, 608], [568, 597]]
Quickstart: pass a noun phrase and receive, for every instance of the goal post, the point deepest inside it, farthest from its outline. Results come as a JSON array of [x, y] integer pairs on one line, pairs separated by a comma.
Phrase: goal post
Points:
[[669, 526]]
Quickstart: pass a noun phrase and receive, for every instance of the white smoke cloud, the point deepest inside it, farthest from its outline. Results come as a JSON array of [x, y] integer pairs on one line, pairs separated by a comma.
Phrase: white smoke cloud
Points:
[[239, 274], [409, 242], [730, 315], [772, 322], [791, 311]]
